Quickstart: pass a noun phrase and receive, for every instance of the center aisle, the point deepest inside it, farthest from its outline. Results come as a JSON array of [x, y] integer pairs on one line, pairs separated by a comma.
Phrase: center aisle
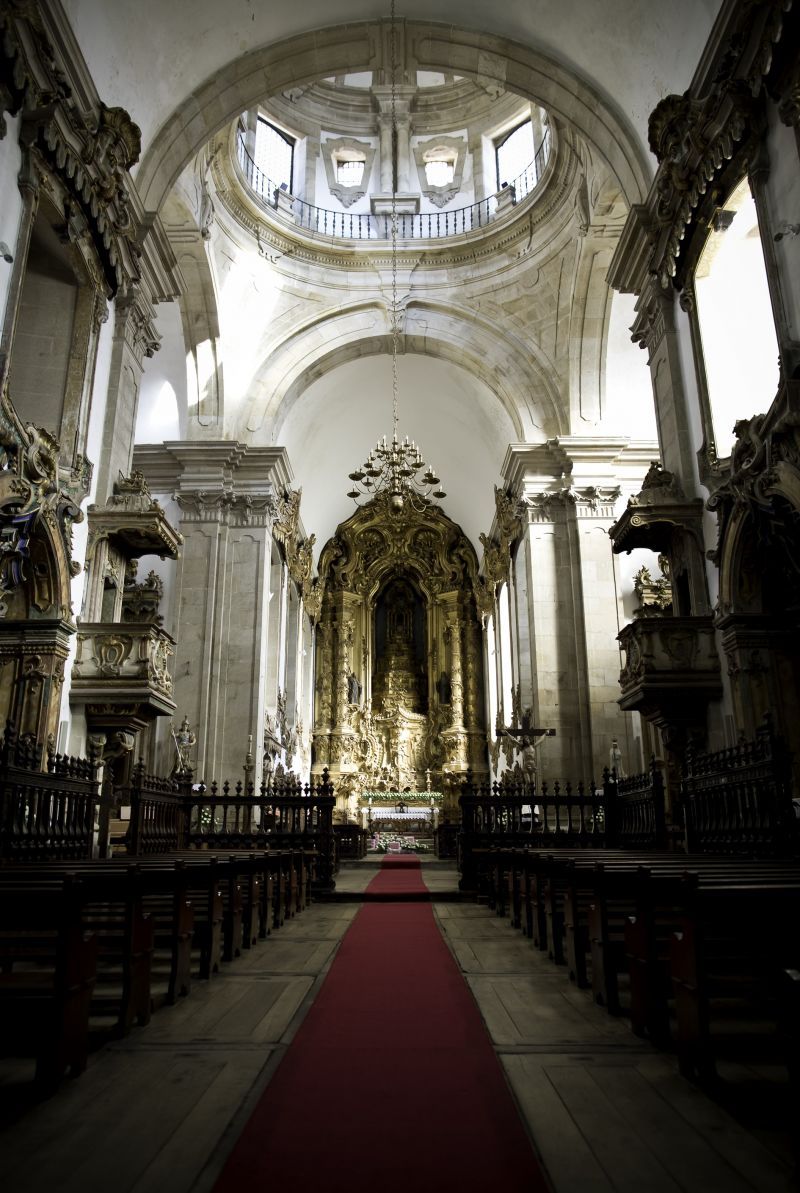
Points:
[[391, 1081]]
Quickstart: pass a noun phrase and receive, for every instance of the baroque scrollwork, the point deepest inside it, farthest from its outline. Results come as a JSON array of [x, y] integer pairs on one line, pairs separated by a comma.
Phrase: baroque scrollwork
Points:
[[38, 500], [89, 151]]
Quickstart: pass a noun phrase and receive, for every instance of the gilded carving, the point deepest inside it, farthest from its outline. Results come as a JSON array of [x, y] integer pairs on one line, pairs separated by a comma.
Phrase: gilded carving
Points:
[[398, 626]]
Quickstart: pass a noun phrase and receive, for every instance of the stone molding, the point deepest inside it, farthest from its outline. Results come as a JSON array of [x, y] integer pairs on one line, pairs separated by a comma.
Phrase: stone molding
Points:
[[225, 508], [135, 323], [595, 472], [347, 195], [441, 195]]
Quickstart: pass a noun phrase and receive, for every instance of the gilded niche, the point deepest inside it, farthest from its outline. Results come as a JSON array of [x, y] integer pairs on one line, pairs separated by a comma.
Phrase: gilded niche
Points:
[[399, 677]]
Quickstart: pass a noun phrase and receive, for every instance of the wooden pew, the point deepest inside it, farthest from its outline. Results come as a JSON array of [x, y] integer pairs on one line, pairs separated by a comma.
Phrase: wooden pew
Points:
[[728, 959], [113, 912], [47, 975]]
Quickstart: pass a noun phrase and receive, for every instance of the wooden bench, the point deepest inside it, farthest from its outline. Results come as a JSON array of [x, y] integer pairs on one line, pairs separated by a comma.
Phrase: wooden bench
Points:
[[47, 975], [727, 962]]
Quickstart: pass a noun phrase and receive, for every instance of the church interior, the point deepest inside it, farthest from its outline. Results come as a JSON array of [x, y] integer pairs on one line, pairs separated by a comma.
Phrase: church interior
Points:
[[399, 661]]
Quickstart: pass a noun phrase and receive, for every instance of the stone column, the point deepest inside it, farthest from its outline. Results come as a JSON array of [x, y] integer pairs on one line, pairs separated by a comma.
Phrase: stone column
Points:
[[557, 630], [91, 312], [475, 150], [223, 617], [594, 512], [453, 639], [135, 338]]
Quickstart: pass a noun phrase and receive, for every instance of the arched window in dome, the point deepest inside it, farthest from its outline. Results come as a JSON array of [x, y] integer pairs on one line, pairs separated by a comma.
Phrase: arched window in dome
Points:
[[274, 154], [440, 166], [732, 323], [349, 169]]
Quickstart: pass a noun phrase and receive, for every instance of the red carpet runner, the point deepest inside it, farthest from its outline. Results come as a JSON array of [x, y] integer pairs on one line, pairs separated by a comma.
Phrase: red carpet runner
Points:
[[391, 1083]]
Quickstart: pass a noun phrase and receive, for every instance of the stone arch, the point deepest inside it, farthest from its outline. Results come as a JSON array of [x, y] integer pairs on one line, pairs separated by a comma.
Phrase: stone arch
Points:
[[429, 46], [522, 378], [199, 311]]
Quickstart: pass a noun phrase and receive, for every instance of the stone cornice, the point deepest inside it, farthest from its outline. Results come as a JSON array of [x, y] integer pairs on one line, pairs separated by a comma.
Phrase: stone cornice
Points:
[[220, 481], [586, 462], [183, 464]]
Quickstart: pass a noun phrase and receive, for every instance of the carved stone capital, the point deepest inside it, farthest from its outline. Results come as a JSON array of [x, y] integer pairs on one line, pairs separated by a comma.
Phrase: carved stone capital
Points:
[[596, 501]]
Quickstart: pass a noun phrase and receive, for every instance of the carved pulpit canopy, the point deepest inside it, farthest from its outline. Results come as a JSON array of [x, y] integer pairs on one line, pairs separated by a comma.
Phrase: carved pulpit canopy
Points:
[[134, 521]]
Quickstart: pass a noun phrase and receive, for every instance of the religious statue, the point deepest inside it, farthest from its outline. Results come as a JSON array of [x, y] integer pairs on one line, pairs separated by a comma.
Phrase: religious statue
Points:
[[444, 689], [615, 759], [184, 740], [528, 761], [272, 741], [353, 689], [526, 738]]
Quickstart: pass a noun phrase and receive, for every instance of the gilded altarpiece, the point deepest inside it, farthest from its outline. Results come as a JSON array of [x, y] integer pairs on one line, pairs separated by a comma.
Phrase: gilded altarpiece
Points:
[[399, 677]]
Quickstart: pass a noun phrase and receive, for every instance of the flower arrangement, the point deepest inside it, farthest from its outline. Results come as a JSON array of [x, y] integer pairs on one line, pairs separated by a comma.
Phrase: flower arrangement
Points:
[[382, 841]]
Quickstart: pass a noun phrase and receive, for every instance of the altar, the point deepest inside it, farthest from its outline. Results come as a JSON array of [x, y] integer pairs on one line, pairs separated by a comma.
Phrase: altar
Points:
[[414, 812]]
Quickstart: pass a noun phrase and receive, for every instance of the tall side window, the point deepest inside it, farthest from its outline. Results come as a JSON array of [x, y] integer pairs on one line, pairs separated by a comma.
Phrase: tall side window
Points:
[[506, 667], [514, 153], [734, 320], [274, 154]]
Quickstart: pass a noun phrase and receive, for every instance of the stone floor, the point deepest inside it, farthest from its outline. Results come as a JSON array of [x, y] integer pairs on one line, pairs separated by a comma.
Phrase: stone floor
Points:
[[160, 1110]]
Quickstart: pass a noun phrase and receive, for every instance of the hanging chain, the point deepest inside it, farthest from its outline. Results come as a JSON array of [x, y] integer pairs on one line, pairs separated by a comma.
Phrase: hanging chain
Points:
[[395, 172]]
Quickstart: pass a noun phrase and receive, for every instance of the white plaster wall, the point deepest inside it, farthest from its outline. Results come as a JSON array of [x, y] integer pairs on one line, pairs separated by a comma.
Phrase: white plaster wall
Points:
[[162, 407], [460, 427], [628, 407], [10, 201], [177, 45]]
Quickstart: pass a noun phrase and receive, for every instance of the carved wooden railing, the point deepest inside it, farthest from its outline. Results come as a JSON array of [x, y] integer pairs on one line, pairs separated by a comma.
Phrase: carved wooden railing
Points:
[[621, 813], [640, 810], [173, 814], [284, 814], [514, 815], [351, 841], [445, 840], [739, 800], [46, 815], [158, 813]]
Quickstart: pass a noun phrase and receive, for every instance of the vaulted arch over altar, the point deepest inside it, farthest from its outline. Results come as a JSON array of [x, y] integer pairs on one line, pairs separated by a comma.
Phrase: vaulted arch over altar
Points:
[[399, 693]]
